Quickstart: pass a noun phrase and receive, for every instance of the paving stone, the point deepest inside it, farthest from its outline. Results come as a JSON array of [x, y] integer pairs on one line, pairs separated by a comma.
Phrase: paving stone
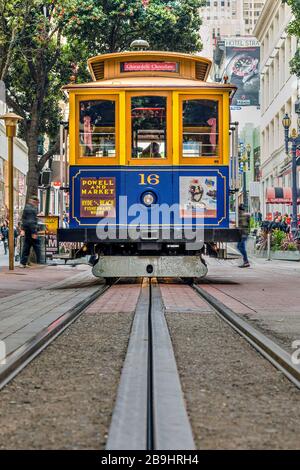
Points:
[[180, 298], [121, 298]]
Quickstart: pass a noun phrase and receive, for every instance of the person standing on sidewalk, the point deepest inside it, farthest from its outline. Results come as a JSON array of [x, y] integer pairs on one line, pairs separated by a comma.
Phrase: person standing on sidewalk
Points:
[[4, 235], [29, 227], [244, 225]]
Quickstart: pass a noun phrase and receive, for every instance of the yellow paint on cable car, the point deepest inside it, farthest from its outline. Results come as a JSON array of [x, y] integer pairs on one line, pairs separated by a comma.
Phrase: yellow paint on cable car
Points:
[[179, 80]]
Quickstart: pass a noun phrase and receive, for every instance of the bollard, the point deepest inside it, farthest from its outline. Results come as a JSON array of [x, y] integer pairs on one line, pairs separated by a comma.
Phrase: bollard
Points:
[[269, 246]]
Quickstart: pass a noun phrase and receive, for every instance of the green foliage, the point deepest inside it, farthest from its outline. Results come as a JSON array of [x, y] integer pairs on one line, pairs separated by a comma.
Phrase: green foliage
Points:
[[294, 30], [253, 223], [278, 236], [110, 25], [288, 245], [13, 17]]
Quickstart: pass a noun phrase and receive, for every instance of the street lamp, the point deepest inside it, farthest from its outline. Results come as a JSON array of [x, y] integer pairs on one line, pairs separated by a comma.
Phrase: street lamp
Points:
[[245, 160], [297, 111], [294, 139], [11, 120]]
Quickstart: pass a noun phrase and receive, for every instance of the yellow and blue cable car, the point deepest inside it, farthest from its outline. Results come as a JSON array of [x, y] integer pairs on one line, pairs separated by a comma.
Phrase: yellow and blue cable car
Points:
[[149, 164]]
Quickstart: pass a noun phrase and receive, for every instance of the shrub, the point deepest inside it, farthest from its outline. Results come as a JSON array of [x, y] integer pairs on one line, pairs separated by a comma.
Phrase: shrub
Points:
[[278, 238]]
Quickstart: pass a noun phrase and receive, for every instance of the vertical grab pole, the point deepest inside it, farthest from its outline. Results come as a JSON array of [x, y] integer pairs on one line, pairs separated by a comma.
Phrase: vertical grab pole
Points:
[[237, 182], [61, 167]]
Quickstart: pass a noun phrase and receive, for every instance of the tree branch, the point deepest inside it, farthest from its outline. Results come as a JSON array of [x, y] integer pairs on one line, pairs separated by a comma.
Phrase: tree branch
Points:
[[52, 151], [12, 103]]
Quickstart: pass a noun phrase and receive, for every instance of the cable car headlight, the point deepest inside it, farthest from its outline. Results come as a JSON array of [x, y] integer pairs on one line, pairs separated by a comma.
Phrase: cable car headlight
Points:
[[148, 199]]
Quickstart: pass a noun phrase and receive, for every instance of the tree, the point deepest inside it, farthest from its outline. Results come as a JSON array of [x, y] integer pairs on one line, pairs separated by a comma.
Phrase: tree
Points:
[[37, 68], [56, 33], [13, 16], [294, 30], [167, 25]]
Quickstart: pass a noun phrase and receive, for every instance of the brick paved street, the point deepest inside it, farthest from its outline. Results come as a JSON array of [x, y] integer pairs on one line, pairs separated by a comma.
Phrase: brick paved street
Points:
[[267, 294], [116, 300]]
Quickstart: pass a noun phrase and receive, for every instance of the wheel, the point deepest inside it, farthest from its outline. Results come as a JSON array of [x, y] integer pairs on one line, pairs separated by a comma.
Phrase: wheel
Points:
[[188, 280], [110, 280]]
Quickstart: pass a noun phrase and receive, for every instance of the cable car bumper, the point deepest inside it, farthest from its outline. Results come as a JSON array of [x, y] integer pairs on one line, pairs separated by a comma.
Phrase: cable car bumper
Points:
[[89, 235], [149, 266]]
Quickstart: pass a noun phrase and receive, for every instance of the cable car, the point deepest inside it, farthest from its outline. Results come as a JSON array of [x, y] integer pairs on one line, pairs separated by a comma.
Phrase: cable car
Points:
[[149, 164]]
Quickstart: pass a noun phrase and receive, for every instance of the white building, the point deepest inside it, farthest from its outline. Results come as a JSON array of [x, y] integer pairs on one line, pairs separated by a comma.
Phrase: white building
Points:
[[225, 18], [279, 92], [20, 171], [251, 12], [220, 18]]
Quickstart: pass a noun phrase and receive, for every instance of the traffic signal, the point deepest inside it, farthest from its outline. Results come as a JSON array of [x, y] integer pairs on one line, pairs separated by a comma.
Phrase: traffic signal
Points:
[[45, 178]]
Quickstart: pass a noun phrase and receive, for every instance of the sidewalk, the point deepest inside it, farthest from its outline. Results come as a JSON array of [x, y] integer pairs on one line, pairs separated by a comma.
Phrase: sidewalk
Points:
[[267, 294], [34, 277], [34, 298]]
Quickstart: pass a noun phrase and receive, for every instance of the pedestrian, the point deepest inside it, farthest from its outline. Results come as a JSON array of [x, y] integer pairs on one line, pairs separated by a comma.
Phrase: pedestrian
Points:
[[4, 235], [259, 217], [17, 232], [30, 228], [244, 224], [65, 220]]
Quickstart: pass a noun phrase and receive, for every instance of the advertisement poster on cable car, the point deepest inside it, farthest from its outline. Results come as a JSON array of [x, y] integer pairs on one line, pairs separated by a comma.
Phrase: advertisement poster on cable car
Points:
[[98, 197], [198, 196]]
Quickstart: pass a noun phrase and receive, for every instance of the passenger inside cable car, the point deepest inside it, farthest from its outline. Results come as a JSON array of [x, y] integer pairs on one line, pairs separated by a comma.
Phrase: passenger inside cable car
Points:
[[200, 128], [97, 128], [152, 151], [149, 126]]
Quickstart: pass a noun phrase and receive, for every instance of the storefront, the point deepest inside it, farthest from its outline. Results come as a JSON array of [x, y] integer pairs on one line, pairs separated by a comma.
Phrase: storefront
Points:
[[20, 171]]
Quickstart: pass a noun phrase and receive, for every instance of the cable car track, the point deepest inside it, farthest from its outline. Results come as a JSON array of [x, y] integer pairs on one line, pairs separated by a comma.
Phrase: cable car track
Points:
[[150, 412], [271, 351]]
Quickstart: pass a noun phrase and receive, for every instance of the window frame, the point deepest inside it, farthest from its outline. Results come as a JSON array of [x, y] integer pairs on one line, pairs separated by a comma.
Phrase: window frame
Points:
[[215, 160], [98, 160], [169, 142]]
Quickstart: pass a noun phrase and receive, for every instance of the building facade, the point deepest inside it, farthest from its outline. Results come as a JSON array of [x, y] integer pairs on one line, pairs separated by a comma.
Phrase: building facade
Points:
[[251, 13], [279, 93], [20, 172], [225, 18], [220, 18]]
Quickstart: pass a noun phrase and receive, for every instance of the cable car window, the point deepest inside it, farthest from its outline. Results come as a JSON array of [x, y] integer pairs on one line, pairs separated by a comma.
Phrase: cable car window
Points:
[[200, 128], [97, 130], [149, 127]]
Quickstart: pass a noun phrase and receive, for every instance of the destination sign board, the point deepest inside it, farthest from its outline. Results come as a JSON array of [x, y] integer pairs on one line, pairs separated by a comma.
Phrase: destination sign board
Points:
[[97, 197], [146, 66]]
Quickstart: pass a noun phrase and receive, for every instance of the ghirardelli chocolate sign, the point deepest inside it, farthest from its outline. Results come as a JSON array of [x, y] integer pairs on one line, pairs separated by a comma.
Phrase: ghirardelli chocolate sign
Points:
[[98, 197], [148, 66]]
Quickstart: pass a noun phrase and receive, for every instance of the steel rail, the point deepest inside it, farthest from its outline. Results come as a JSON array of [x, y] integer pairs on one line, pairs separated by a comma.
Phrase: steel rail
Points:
[[280, 358], [23, 355], [150, 412], [150, 398]]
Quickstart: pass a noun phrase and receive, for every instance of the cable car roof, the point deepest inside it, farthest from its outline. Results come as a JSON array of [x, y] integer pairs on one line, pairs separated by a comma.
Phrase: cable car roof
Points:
[[108, 65], [151, 83]]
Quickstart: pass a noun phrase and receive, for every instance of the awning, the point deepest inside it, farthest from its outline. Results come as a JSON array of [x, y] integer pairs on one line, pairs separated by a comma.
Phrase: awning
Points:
[[280, 196]]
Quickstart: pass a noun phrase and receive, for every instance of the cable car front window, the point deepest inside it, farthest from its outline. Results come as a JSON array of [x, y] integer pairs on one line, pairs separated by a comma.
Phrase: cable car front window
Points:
[[97, 132], [149, 127], [200, 128]]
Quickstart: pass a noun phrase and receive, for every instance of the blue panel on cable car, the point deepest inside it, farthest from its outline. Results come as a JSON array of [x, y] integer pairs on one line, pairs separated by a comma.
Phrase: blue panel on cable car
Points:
[[95, 194]]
